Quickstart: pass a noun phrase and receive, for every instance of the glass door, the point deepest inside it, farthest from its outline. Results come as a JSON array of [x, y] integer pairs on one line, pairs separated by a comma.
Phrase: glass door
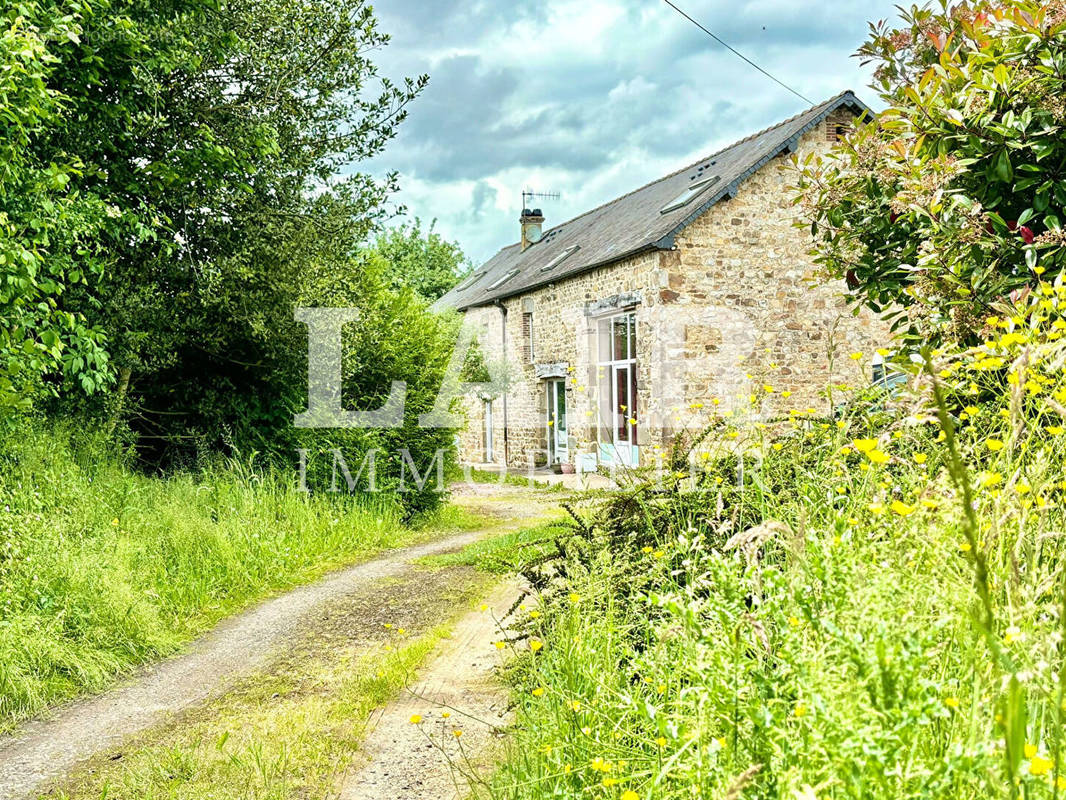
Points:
[[558, 437], [490, 456], [618, 389]]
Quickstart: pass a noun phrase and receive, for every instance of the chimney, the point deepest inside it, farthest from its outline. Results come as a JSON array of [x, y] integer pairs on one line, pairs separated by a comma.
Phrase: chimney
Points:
[[531, 220]]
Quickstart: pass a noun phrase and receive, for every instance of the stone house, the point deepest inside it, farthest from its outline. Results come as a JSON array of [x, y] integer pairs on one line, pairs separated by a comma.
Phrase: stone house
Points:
[[658, 308]]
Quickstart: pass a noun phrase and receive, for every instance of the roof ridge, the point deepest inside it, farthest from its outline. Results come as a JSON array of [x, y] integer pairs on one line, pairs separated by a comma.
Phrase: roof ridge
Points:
[[661, 178]]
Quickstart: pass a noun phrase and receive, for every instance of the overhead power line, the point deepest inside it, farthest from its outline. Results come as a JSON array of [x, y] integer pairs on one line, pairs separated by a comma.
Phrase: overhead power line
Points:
[[737, 53]]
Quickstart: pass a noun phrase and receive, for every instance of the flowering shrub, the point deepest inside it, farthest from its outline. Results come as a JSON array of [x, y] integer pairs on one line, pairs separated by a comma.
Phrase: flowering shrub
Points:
[[952, 198]]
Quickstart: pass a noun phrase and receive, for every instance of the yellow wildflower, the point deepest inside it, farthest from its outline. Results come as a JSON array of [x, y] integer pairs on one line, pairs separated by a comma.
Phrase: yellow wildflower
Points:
[[416, 719]]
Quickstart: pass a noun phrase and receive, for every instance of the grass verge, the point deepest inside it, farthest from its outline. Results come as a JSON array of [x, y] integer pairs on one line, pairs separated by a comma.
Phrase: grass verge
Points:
[[103, 569]]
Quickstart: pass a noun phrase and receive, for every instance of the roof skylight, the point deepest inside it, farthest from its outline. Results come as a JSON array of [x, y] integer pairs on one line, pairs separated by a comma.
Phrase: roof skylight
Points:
[[502, 279], [559, 259], [690, 194], [470, 281]]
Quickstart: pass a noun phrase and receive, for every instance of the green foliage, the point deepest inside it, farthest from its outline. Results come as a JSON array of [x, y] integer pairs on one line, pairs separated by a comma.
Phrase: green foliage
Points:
[[422, 261], [953, 198], [47, 227], [869, 607], [102, 569]]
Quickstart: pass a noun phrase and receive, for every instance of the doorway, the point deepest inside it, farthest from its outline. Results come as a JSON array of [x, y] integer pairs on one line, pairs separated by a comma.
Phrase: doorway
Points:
[[558, 436], [490, 455]]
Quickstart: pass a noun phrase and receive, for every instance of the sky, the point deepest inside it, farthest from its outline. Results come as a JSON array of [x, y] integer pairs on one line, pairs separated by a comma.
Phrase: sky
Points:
[[592, 98]]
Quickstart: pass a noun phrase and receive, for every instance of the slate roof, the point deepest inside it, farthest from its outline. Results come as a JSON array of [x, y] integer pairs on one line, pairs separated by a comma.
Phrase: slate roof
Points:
[[634, 223]]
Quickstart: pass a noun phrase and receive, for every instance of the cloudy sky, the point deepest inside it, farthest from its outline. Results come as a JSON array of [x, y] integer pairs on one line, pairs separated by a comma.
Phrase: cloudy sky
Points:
[[592, 98]]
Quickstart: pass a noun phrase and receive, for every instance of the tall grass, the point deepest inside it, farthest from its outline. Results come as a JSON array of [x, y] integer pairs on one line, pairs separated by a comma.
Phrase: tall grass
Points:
[[103, 568], [871, 607]]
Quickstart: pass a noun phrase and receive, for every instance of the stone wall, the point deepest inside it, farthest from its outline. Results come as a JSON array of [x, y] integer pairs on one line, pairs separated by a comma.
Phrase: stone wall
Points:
[[735, 306]]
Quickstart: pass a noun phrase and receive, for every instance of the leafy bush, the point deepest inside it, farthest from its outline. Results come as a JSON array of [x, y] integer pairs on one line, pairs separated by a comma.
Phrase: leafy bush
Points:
[[951, 199]]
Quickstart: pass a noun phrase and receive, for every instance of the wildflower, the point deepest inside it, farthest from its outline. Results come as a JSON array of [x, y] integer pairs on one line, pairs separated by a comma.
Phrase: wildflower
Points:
[[483, 607], [538, 692], [575, 598], [1040, 766], [878, 457], [877, 508], [786, 395], [951, 702], [661, 741], [800, 711], [965, 547], [661, 688], [1055, 430], [114, 521], [902, 509], [534, 614], [445, 714], [931, 504], [416, 719], [856, 356], [457, 733], [989, 479], [629, 794], [500, 645], [864, 445], [574, 705], [587, 730], [1022, 487], [535, 645], [920, 458], [794, 622], [645, 550], [658, 554]]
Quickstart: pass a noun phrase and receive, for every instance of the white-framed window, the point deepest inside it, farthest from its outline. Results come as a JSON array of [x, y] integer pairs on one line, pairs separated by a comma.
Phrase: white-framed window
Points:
[[617, 379]]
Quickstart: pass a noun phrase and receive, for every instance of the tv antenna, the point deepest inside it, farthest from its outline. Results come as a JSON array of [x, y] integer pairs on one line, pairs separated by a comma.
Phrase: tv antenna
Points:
[[529, 194]]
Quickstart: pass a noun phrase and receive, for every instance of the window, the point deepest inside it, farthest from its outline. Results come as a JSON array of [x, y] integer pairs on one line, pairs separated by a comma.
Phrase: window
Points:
[[690, 194], [617, 374], [559, 259], [466, 284], [527, 336], [502, 280]]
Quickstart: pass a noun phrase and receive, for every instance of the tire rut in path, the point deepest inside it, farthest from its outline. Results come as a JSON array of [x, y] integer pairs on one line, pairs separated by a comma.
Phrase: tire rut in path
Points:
[[457, 691]]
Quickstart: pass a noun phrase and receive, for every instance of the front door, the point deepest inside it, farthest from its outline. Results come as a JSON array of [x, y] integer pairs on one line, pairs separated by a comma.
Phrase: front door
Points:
[[490, 456], [558, 437]]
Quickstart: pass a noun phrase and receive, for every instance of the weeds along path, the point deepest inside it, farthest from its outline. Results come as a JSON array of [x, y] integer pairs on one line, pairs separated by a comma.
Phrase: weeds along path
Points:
[[437, 741], [42, 752]]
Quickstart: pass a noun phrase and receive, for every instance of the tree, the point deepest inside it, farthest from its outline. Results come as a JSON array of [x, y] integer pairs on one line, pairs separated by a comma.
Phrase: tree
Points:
[[421, 260], [953, 198], [217, 130], [47, 227]]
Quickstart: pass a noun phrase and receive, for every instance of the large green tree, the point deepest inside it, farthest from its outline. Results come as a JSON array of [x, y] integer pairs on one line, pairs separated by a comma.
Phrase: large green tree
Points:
[[48, 227], [421, 260], [216, 129], [954, 197]]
